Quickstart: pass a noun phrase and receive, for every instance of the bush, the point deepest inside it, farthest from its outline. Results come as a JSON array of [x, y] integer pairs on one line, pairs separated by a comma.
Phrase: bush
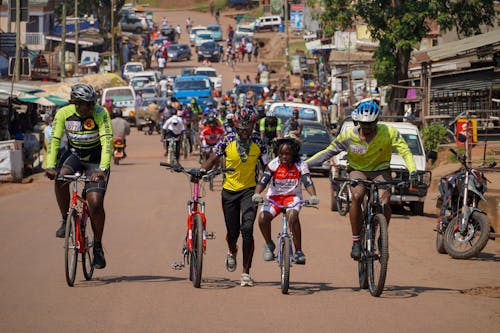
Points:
[[433, 136]]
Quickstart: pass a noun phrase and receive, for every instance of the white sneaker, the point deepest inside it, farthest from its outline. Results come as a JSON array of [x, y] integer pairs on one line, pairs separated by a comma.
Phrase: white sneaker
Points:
[[246, 280]]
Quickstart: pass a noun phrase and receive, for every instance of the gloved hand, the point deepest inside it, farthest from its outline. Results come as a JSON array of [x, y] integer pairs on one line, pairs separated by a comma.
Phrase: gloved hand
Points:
[[257, 198], [313, 200]]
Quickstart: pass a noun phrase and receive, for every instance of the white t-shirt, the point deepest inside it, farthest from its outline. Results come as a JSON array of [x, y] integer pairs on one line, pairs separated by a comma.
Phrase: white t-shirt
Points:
[[163, 85], [161, 62], [174, 124]]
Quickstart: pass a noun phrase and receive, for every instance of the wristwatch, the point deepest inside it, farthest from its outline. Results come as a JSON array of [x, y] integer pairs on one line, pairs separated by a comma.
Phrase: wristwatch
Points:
[[104, 169]]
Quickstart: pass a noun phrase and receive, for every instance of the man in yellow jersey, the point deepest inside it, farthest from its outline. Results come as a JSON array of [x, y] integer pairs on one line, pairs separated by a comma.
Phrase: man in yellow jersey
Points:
[[242, 151], [369, 150], [90, 149]]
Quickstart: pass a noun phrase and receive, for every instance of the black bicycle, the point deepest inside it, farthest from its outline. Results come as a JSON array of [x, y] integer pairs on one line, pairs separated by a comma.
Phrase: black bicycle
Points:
[[372, 267]]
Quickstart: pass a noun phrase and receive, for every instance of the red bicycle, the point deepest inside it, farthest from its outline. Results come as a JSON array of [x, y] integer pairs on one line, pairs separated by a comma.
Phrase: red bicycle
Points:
[[195, 241], [78, 238]]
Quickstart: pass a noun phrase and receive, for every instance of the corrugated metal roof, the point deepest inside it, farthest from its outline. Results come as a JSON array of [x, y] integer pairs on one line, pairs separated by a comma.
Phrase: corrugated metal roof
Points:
[[453, 49]]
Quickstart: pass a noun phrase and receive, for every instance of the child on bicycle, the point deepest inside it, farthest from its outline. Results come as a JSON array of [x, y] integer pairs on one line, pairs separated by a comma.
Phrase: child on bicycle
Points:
[[285, 173]]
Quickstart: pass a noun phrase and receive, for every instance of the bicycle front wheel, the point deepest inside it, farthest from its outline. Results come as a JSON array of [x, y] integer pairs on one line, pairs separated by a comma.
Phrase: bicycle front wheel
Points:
[[362, 269], [88, 255], [343, 200], [185, 146], [285, 264], [70, 249], [378, 257], [196, 262]]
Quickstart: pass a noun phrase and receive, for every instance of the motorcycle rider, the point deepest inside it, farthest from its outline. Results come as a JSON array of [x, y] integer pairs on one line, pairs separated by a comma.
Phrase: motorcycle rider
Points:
[[369, 150], [121, 128]]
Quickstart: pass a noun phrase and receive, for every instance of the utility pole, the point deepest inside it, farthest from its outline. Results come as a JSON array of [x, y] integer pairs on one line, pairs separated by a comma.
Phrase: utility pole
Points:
[[77, 30], [63, 42], [18, 40], [9, 22], [287, 37], [112, 35]]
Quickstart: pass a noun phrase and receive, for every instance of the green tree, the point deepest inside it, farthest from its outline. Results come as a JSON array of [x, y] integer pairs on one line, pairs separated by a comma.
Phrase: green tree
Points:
[[400, 25]]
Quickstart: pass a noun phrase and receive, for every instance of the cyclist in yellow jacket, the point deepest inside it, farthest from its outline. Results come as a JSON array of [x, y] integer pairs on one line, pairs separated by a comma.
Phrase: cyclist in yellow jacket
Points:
[[369, 150], [90, 148]]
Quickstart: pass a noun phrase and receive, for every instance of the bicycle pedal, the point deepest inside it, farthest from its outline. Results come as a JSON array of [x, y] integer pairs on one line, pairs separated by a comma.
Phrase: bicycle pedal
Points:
[[210, 235], [177, 266]]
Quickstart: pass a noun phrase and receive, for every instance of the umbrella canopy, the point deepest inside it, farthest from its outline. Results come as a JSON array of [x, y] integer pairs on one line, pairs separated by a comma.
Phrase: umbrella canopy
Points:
[[57, 100], [30, 98]]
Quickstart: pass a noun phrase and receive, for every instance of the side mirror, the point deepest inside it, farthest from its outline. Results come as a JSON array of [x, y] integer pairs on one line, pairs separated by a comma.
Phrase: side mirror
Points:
[[432, 155]]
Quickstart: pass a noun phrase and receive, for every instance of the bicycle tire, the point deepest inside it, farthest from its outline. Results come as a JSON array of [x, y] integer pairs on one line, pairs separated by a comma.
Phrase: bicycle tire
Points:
[[470, 245], [185, 146], [211, 183], [171, 153], [285, 264], [196, 265], [343, 200], [88, 255], [378, 259], [362, 268], [70, 250]]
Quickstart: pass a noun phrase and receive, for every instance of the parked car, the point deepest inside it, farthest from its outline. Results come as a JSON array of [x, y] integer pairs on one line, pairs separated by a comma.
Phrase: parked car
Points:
[[161, 41], [284, 110], [187, 71], [216, 31], [131, 68], [178, 52], [139, 82], [315, 137], [169, 33], [245, 29], [202, 36], [212, 75], [134, 24], [209, 50], [152, 76], [271, 22], [148, 91], [123, 97], [192, 33]]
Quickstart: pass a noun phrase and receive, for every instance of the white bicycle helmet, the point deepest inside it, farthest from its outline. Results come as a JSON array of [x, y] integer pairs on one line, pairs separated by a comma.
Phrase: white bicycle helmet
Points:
[[83, 92], [366, 112]]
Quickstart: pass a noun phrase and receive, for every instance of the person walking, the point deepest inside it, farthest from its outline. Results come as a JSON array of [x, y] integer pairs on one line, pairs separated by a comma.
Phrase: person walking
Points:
[[242, 151]]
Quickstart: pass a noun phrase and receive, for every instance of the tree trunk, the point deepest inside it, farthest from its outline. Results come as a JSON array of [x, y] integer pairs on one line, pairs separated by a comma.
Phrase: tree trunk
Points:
[[401, 73]]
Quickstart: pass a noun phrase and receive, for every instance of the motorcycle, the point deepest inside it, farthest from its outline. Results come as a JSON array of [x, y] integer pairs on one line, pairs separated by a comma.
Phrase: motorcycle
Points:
[[149, 125], [462, 229], [118, 150]]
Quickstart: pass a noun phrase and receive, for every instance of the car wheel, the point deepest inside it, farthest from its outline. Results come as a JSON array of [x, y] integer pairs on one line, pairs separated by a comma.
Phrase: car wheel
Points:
[[138, 30], [275, 28]]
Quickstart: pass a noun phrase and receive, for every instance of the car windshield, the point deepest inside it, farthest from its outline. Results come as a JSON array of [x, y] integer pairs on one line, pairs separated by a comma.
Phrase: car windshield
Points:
[[243, 89], [134, 68], [207, 73], [213, 28], [139, 83], [209, 46], [120, 94], [174, 47], [245, 29], [192, 85], [315, 135], [413, 143], [285, 111]]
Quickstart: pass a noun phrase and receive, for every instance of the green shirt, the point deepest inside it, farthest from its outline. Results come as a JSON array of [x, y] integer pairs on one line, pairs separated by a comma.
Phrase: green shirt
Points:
[[363, 156], [88, 136]]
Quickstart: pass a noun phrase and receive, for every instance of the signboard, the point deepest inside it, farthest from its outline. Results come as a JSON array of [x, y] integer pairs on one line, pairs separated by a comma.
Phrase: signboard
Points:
[[276, 7], [297, 17], [463, 128]]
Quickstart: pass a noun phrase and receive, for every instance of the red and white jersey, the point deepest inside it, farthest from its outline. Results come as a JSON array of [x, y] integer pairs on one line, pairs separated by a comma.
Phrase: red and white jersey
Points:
[[286, 180]]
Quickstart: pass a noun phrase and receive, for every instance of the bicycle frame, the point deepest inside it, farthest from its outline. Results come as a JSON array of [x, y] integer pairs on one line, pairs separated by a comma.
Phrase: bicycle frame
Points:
[[83, 215], [196, 207]]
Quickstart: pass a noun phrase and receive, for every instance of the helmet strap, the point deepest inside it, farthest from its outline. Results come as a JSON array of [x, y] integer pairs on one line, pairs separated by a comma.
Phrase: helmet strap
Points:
[[243, 148]]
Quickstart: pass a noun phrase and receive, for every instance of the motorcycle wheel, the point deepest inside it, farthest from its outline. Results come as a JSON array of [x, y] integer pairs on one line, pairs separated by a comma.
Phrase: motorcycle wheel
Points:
[[469, 245]]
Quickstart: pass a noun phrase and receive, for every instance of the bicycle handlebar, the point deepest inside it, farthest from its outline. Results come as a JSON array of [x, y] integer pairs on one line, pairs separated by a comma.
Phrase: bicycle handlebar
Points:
[[196, 173], [306, 203], [76, 176], [355, 182]]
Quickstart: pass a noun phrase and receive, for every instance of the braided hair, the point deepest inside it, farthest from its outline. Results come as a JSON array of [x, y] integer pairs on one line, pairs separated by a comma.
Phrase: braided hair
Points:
[[292, 143]]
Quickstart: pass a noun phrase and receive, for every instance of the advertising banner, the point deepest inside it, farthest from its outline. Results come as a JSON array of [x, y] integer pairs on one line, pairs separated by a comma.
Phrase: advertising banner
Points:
[[297, 17], [276, 7]]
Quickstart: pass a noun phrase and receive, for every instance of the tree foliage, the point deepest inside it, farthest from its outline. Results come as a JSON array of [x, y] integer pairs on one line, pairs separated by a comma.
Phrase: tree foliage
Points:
[[400, 25]]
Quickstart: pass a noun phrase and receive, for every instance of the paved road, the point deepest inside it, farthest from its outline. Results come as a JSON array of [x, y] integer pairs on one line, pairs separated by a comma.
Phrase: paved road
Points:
[[139, 292]]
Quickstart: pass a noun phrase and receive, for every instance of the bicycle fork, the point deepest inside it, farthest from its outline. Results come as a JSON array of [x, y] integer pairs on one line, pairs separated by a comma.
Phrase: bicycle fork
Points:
[[281, 236]]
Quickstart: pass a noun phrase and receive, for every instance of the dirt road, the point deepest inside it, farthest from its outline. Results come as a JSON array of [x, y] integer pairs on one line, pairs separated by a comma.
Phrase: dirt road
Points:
[[139, 292]]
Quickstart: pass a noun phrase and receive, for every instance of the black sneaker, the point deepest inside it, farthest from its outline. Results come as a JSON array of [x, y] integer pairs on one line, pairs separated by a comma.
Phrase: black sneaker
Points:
[[299, 257], [60, 233], [99, 261], [356, 250]]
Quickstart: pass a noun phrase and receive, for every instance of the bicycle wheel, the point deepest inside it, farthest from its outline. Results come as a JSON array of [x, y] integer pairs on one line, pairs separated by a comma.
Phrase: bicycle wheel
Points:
[[343, 200], [185, 146], [88, 255], [362, 269], [378, 257], [196, 263], [171, 153], [211, 183], [70, 250], [285, 264]]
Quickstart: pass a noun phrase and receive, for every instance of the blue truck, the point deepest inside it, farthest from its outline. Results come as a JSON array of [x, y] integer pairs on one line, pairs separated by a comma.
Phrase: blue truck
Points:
[[199, 87]]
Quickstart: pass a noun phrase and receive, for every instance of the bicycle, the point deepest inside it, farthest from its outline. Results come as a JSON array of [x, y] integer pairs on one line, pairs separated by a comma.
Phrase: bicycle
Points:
[[78, 238], [285, 250], [195, 241], [374, 237], [185, 143], [343, 197], [169, 145]]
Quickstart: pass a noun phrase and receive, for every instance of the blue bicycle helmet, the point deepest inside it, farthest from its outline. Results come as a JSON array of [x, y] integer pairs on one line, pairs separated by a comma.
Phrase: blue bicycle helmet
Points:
[[366, 112]]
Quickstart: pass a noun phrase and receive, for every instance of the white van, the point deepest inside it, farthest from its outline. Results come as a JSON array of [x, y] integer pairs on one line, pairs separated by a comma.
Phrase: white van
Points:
[[272, 22], [284, 110], [415, 199], [132, 68], [124, 98]]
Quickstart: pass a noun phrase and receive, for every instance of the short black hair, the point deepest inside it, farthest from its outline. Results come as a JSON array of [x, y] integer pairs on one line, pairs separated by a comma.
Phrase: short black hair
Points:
[[292, 143]]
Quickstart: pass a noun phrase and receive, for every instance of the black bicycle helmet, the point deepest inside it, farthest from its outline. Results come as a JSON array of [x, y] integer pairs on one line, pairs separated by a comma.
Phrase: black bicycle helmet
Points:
[[244, 118], [83, 92]]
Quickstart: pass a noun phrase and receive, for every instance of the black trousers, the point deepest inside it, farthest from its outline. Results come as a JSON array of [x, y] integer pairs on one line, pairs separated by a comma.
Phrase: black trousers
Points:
[[239, 215]]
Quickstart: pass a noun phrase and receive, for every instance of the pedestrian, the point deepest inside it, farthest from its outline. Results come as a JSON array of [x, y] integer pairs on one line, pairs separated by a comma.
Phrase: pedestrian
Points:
[[256, 50], [211, 5], [242, 151], [249, 49], [178, 31], [217, 15], [161, 63]]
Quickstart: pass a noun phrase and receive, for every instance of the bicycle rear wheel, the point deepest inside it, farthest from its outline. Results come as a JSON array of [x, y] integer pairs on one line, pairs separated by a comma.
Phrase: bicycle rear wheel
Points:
[[185, 146], [88, 255], [285, 264], [343, 200], [362, 269], [171, 153], [196, 262], [379, 255], [70, 250]]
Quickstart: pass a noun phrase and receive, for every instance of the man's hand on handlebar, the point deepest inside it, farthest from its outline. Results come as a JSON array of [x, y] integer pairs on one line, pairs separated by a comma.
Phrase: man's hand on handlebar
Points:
[[51, 173]]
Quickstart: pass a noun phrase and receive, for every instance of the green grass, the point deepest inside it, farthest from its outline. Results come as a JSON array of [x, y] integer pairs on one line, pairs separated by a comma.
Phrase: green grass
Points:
[[203, 5], [297, 45]]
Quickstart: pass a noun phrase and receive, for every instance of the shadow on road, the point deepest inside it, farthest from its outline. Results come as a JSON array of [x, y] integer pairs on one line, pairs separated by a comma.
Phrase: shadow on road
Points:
[[483, 256], [304, 288], [218, 283], [135, 278], [410, 291]]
